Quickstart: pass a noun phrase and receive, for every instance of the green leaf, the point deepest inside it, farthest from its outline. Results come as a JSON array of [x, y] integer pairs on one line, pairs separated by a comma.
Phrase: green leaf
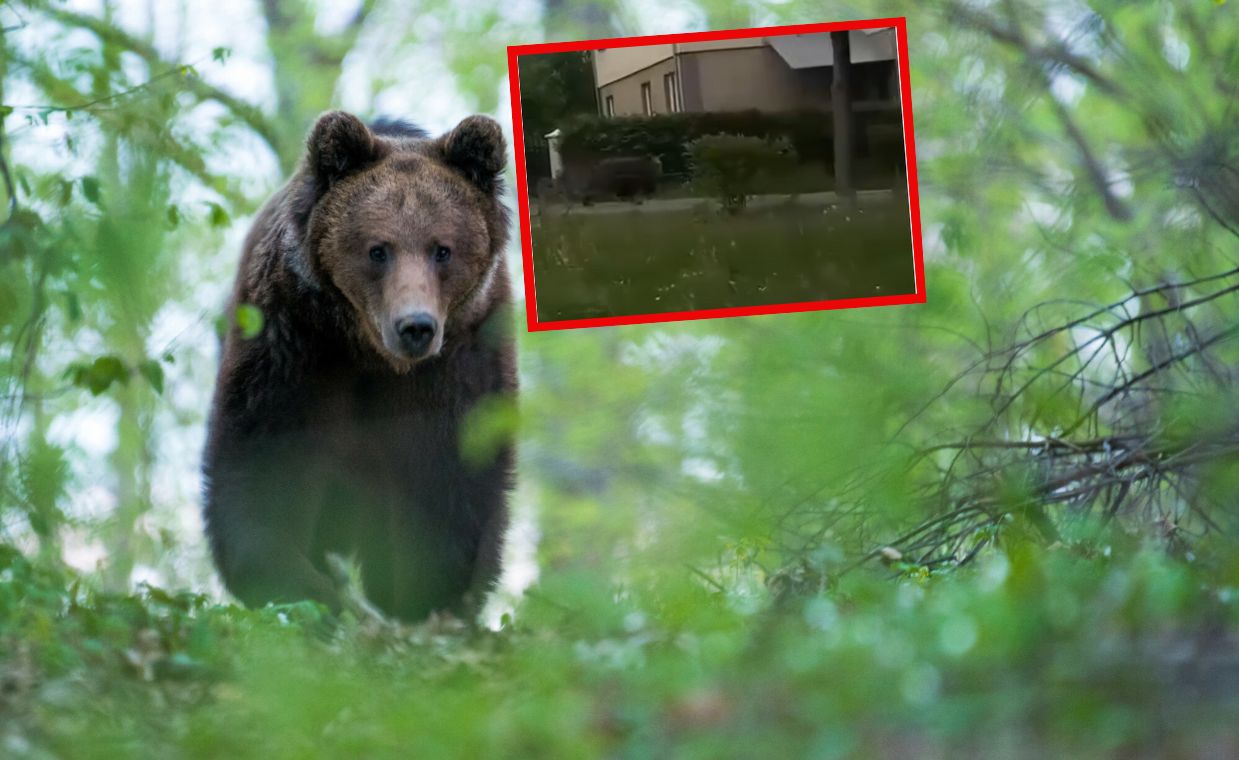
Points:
[[249, 321], [153, 372], [219, 217], [221, 54], [5, 111], [488, 427], [90, 189], [220, 323], [173, 216], [99, 375], [73, 306]]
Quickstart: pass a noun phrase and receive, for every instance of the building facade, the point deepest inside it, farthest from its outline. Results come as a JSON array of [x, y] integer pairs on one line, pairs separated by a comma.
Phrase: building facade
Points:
[[781, 73]]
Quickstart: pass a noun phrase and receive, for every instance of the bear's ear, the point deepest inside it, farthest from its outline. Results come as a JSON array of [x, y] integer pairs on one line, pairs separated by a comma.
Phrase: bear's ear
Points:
[[339, 145], [475, 147]]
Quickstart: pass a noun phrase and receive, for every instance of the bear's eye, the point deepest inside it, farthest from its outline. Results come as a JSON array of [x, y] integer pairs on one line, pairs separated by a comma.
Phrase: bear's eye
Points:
[[378, 254], [442, 253]]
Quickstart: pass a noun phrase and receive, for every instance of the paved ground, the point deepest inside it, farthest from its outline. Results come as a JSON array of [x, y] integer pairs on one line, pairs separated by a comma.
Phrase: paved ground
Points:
[[687, 204]]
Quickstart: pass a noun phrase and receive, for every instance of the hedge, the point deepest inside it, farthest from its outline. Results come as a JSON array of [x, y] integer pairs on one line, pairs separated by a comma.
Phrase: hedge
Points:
[[592, 137]]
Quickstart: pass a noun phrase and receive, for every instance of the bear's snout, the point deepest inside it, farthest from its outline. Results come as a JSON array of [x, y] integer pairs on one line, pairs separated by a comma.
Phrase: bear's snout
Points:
[[416, 332]]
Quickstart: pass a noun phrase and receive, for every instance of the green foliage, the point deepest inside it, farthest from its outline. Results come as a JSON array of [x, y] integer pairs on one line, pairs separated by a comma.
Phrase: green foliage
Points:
[[97, 376], [727, 166], [554, 88], [219, 217], [666, 135], [152, 371], [249, 320], [1076, 650], [100, 374], [488, 427], [90, 189]]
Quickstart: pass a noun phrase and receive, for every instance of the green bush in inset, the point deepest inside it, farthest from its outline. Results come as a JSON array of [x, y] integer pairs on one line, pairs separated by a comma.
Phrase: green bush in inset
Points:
[[727, 166]]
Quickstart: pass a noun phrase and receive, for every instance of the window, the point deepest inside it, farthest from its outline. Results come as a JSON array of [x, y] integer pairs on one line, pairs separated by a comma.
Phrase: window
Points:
[[671, 88], [647, 100], [610, 106]]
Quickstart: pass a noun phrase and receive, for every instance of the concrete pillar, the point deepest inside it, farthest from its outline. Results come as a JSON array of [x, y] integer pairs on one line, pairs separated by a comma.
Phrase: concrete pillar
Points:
[[552, 147]]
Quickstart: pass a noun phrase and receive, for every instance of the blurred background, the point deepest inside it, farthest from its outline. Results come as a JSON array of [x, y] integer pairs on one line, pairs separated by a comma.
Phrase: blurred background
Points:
[[999, 524]]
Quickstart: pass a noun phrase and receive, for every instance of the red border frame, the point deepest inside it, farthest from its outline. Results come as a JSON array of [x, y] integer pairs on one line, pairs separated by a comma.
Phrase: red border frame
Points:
[[914, 207]]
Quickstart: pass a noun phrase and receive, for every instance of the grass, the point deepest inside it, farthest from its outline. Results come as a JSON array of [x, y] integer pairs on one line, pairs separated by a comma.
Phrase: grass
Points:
[[646, 262]]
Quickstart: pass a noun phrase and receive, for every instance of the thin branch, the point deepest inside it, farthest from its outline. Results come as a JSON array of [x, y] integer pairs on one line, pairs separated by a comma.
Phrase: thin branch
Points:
[[1052, 52], [8, 177], [1219, 337], [251, 115], [183, 70]]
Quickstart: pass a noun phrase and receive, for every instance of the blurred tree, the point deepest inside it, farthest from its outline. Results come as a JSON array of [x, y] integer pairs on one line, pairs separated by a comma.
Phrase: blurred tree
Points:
[[554, 87], [8, 192], [728, 14], [91, 246], [306, 65], [572, 20], [135, 276]]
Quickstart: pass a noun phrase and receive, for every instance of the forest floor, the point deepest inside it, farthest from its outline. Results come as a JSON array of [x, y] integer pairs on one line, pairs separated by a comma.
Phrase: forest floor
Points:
[[1033, 653]]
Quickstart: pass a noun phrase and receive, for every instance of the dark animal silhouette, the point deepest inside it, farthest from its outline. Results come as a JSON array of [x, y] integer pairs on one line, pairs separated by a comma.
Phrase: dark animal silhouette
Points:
[[380, 275], [624, 178]]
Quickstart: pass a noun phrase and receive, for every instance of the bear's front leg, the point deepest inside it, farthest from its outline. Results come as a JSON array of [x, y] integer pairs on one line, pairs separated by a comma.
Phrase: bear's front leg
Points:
[[261, 517], [259, 570]]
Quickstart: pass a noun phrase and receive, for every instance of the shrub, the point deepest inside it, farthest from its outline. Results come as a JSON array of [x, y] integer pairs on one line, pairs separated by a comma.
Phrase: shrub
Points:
[[591, 138], [727, 165]]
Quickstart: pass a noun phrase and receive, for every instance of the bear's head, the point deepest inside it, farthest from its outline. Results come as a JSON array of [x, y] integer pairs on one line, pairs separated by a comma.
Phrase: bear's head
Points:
[[408, 229]]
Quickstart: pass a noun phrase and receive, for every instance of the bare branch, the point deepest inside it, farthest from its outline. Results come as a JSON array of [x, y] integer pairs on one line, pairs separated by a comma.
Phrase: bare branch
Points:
[[1053, 52]]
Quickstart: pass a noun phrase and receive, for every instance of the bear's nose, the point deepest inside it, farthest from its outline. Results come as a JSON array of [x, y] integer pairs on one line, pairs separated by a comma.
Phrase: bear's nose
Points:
[[416, 331]]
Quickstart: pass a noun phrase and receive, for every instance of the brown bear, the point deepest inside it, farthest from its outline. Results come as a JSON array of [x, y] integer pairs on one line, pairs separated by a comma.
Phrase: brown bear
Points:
[[380, 275]]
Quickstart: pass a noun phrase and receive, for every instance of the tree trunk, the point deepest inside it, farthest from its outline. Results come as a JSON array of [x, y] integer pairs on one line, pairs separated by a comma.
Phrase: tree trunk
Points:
[[569, 19], [306, 66], [841, 107], [7, 188]]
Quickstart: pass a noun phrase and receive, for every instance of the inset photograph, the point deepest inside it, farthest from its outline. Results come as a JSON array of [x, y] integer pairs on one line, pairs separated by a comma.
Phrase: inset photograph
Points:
[[716, 174]]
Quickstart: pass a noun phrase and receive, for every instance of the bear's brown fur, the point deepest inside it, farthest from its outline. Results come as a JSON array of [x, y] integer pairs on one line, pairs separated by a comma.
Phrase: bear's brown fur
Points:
[[380, 274]]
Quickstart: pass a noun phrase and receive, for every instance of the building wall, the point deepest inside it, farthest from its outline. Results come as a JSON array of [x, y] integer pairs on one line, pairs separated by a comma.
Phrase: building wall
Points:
[[613, 64], [736, 75], [627, 90], [737, 79]]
